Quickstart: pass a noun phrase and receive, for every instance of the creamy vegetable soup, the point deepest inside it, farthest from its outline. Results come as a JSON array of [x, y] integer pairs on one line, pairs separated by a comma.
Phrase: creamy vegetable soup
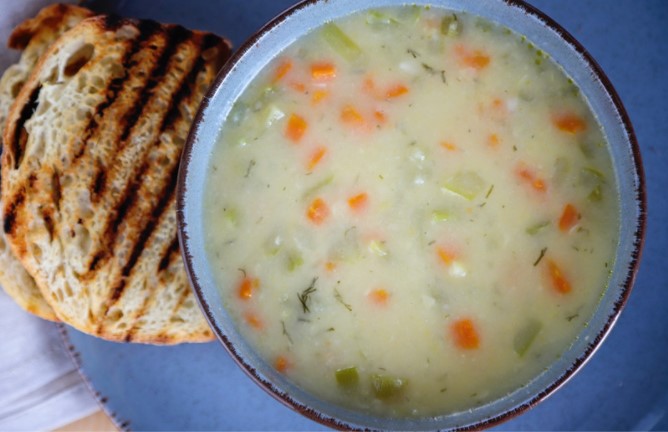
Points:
[[411, 212]]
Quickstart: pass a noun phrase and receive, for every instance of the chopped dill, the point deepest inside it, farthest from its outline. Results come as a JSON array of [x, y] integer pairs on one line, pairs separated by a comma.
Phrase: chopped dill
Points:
[[251, 164], [339, 298], [412, 52], [540, 257], [285, 332], [304, 297], [489, 192], [428, 68]]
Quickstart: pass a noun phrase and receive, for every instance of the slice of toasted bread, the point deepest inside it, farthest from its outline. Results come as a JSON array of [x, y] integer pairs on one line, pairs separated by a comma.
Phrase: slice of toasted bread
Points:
[[93, 144], [33, 37]]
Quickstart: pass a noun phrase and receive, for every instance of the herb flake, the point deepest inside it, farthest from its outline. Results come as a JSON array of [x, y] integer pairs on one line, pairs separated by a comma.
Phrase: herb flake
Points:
[[540, 257], [305, 295], [285, 332], [339, 298]]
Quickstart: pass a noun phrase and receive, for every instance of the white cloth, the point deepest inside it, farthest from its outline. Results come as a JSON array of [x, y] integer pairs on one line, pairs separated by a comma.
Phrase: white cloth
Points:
[[40, 388]]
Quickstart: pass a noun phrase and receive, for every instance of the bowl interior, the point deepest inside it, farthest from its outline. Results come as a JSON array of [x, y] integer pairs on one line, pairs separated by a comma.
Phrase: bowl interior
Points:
[[545, 34]]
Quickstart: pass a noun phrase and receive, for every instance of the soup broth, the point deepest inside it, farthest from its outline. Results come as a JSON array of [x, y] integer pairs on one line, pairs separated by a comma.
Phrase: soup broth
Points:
[[411, 212]]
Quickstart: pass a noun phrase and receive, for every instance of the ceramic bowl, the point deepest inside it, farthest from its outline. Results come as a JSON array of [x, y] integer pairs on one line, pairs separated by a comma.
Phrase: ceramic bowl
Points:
[[547, 35]]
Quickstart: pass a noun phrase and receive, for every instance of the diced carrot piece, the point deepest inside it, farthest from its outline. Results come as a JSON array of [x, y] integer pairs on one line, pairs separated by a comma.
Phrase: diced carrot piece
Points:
[[379, 296], [559, 282], [319, 96], [282, 70], [330, 266], [493, 140], [465, 334], [396, 91], [569, 217], [247, 287], [254, 321], [478, 60], [497, 104], [318, 211], [446, 256], [358, 202], [381, 117], [323, 71], [448, 146], [369, 85], [298, 86], [316, 157], [351, 116], [282, 364], [569, 123], [531, 178], [296, 127], [475, 59]]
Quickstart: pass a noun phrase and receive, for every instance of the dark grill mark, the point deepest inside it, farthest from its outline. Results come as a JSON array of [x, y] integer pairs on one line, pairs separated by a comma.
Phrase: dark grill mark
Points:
[[176, 35], [147, 29], [10, 214], [166, 195], [166, 257], [56, 190], [182, 94], [114, 22], [96, 260], [48, 223], [99, 181], [20, 134]]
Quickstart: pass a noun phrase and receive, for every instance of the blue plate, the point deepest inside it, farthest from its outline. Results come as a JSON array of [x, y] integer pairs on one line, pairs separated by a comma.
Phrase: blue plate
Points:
[[623, 387]]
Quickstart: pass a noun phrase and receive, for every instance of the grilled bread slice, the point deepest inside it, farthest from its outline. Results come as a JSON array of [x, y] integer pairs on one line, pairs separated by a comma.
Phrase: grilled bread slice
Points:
[[92, 148], [33, 37]]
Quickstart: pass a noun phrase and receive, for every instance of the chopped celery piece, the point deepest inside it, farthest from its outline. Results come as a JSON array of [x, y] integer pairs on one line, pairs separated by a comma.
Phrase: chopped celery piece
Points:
[[562, 167], [340, 42], [271, 114], [466, 184], [386, 387], [231, 215], [375, 17], [377, 247], [238, 113], [450, 25], [295, 261], [440, 215], [263, 98], [588, 148], [484, 25], [594, 179], [536, 228], [526, 335], [410, 15], [347, 377], [273, 245], [594, 172], [316, 187], [596, 194]]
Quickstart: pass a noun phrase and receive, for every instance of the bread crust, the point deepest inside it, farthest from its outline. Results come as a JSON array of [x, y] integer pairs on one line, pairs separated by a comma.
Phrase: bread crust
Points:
[[33, 37], [93, 145]]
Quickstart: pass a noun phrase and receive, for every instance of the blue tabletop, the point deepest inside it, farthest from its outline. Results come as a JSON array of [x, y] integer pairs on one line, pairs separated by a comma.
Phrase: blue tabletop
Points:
[[623, 387]]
